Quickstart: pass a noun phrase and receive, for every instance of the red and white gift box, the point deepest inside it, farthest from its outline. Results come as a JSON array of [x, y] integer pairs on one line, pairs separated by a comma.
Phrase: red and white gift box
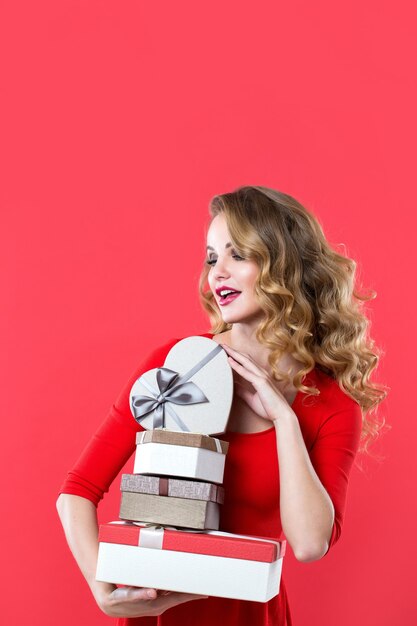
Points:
[[210, 563]]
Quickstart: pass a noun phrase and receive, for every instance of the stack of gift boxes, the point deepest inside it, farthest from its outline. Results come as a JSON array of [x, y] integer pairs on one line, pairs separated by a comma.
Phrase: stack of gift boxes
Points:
[[170, 505], [167, 496]]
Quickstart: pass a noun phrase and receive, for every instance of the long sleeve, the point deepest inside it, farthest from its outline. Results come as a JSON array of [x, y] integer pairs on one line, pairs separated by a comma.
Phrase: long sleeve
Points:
[[113, 442]]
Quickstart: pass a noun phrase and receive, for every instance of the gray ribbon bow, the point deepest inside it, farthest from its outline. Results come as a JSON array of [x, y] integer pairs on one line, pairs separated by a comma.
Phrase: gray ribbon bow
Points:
[[172, 389]]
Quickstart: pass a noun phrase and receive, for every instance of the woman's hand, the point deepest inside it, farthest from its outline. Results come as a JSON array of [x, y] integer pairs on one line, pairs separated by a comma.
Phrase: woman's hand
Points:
[[263, 397], [138, 601], [79, 519]]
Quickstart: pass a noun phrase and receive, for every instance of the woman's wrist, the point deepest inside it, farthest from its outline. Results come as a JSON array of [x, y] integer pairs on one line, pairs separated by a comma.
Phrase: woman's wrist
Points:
[[285, 417]]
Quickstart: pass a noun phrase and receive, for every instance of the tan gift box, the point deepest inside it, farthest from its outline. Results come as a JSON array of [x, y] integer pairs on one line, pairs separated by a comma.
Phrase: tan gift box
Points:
[[196, 514]]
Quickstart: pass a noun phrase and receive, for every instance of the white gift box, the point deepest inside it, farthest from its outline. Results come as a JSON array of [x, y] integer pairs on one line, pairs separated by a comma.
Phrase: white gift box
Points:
[[209, 563], [191, 458], [191, 392]]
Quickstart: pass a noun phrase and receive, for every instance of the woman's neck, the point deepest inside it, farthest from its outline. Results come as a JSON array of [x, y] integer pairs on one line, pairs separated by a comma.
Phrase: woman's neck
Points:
[[242, 337]]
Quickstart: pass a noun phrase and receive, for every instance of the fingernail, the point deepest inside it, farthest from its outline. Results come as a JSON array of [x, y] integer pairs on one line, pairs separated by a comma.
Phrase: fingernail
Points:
[[150, 593]]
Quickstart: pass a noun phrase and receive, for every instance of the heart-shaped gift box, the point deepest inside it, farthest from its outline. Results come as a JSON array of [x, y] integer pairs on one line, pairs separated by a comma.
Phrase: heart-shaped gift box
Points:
[[191, 392]]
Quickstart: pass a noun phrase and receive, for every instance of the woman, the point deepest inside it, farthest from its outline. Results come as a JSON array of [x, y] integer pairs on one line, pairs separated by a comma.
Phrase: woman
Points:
[[283, 305]]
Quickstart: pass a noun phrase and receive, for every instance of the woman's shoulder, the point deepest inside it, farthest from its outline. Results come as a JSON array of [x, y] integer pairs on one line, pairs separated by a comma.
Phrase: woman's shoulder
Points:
[[332, 396], [332, 411]]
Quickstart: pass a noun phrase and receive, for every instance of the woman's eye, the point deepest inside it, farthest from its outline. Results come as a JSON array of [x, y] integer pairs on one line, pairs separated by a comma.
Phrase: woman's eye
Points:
[[212, 260]]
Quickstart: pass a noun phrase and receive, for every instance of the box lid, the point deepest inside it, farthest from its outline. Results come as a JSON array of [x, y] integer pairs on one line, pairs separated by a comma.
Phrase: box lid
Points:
[[192, 391], [177, 438], [211, 542]]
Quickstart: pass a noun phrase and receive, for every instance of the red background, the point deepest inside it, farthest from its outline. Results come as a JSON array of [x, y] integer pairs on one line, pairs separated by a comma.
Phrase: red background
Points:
[[120, 120]]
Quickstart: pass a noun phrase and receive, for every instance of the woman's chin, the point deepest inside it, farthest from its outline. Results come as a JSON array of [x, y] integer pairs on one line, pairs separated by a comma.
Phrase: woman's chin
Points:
[[235, 318]]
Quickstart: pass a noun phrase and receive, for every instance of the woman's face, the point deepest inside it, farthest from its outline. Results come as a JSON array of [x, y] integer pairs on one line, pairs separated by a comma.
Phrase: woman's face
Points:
[[229, 271]]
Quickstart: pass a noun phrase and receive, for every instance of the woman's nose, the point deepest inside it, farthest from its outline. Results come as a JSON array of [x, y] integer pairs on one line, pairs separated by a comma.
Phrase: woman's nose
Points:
[[221, 269]]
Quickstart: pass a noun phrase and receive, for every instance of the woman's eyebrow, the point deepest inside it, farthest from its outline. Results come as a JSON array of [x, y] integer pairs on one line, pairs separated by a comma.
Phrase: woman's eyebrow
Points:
[[228, 245]]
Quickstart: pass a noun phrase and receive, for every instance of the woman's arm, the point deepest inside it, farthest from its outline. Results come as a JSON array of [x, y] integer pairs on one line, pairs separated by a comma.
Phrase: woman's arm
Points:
[[314, 484], [98, 465], [311, 502], [79, 520], [307, 512]]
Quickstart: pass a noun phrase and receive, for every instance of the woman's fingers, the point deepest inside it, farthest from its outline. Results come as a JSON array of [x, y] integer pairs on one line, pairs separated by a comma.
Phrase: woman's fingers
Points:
[[141, 602], [251, 401], [245, 372], [245, 360], [132, 594]]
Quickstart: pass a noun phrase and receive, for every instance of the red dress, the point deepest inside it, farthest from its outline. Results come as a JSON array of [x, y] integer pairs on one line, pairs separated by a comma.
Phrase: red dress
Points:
[[331, 425]]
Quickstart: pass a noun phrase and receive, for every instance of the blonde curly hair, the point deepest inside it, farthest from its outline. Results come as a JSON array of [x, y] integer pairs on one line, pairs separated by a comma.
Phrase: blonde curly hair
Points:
[[313, 309]]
